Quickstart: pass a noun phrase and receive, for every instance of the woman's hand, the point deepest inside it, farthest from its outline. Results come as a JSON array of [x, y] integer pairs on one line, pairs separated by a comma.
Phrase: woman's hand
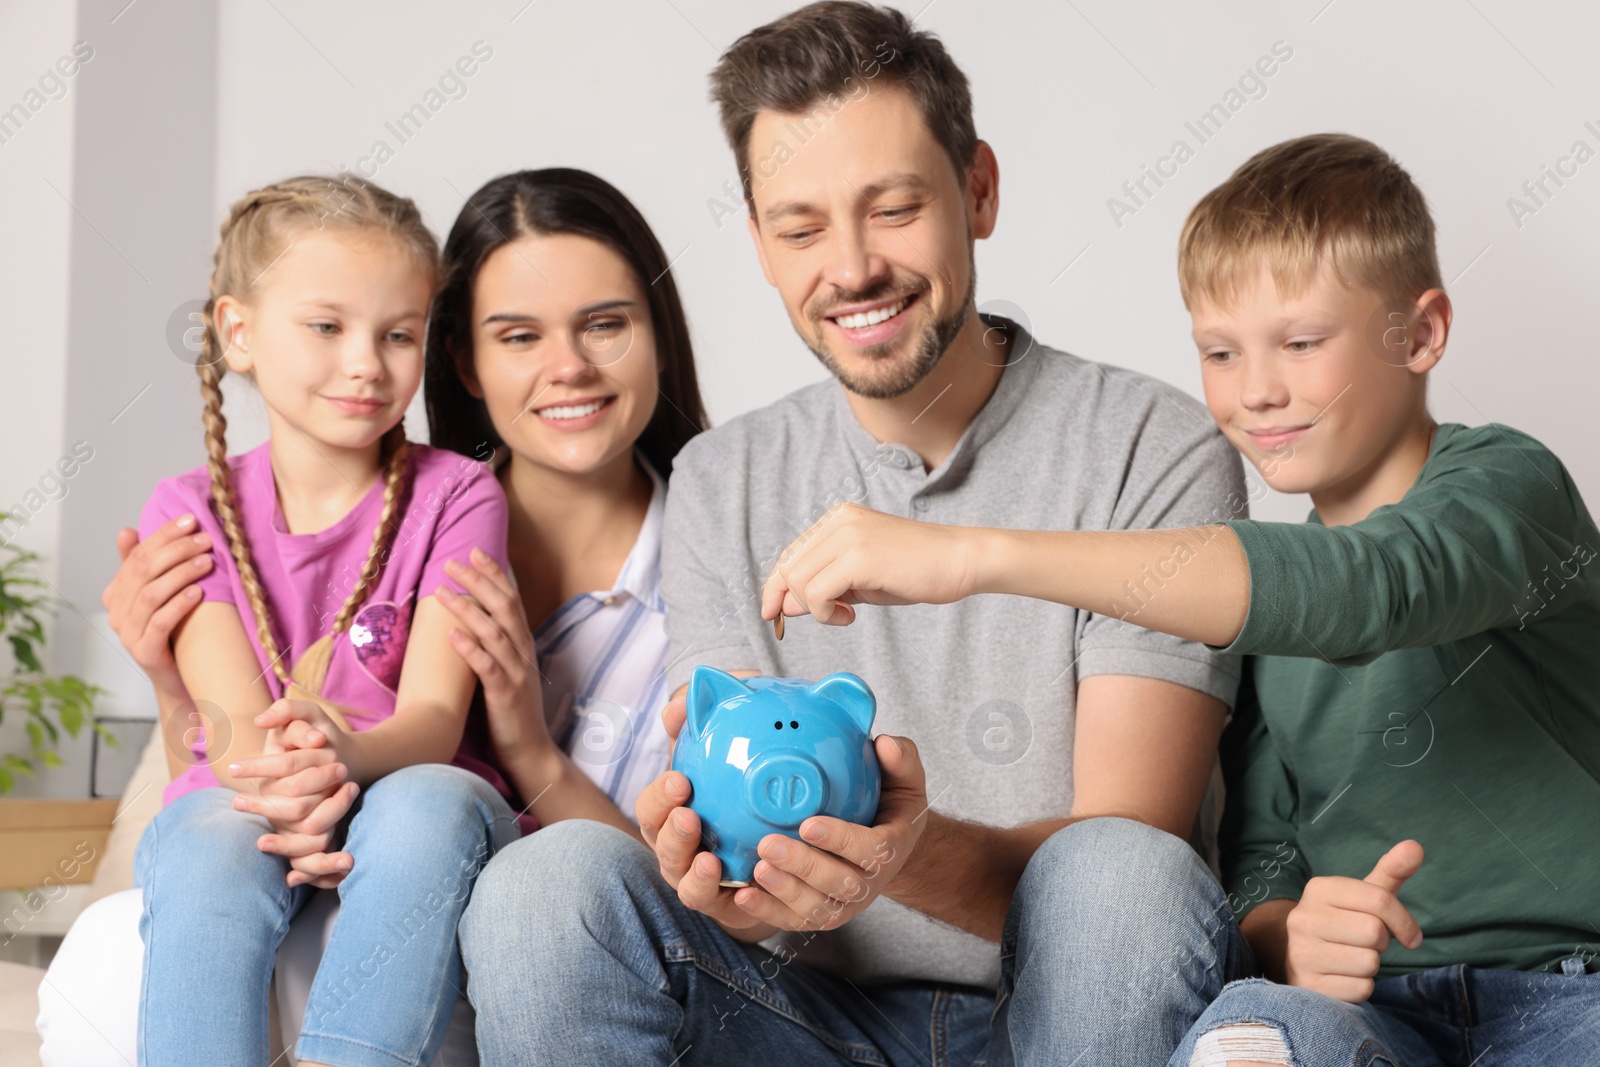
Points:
[[1341, 926], [154, 590], [495, 641], [854, 555]]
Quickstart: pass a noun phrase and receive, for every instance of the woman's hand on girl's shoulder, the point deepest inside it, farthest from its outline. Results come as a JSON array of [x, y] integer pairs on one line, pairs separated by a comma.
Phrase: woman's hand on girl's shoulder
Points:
[[154, 590], [495, 641]]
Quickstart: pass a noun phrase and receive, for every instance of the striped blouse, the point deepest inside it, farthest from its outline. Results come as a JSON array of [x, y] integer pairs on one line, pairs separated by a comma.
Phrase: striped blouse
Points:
[[603, 657]]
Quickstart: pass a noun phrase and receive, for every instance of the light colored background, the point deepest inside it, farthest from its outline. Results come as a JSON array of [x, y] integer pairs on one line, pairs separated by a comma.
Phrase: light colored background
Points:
[[112, 193]]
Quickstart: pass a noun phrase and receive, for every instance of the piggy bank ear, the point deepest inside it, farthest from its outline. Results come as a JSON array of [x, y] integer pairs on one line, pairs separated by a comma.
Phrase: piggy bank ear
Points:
[[851, 694], [709, 687]]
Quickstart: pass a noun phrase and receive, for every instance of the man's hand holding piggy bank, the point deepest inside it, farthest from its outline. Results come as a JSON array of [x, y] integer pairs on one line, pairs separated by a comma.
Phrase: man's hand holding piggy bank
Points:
[[767, 757]]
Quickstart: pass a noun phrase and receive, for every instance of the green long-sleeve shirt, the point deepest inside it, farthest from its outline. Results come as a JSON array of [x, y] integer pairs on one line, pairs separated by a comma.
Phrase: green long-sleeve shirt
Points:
[[1430, 672]]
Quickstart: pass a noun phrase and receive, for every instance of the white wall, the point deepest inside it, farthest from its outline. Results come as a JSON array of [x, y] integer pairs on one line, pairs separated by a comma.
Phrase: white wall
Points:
[[96, 280], [1473, 99], [33, 284], [1075, 104], [36, 177]]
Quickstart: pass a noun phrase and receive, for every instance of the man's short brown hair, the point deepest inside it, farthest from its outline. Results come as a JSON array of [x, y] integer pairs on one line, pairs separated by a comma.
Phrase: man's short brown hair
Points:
[[1327, 196], [833, 49]]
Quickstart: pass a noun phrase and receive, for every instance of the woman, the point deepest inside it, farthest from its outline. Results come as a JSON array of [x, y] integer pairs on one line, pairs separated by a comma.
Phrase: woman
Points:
[[551, 348], [557, 351]]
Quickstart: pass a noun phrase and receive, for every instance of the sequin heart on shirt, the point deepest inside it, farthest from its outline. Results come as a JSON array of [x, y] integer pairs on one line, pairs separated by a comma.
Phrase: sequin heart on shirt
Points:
[[378, 636]]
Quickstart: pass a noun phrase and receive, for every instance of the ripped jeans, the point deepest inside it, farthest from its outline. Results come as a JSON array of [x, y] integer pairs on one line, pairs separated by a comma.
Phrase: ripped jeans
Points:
[[1445, 1017]]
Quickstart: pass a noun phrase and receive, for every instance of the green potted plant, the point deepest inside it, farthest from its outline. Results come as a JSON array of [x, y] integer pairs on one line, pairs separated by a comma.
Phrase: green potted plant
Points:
[[49, 703]]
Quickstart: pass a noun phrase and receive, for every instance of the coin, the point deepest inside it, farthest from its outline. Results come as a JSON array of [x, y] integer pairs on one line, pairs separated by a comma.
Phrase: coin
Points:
[[777, 625]]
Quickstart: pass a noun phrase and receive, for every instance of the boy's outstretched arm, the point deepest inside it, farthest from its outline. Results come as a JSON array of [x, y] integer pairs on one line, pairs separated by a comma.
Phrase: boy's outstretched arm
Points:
[[1192, 583], [1492, 534]]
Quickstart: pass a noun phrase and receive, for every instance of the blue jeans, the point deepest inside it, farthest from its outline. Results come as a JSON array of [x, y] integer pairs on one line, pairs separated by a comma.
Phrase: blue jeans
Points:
[[1445, 1017], [578, 953], [216, 908]]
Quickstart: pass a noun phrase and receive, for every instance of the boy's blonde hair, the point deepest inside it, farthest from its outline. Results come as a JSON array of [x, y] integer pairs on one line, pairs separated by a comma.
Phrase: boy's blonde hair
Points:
[[258, 230], [1327, 196]]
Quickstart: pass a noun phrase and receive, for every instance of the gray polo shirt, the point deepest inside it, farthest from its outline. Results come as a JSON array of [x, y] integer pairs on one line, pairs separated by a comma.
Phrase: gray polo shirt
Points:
[[986, 687]]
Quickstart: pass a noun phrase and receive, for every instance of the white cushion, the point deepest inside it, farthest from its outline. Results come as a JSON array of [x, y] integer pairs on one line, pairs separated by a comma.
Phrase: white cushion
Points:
[[89, 999]]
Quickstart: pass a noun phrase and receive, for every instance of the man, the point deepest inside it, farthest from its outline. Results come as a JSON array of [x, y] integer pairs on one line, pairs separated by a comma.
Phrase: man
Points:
[[1025, 893]]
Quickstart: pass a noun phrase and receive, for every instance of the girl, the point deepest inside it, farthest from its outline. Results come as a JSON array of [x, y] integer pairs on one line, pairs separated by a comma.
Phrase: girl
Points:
[[335, 535], [586, 504]]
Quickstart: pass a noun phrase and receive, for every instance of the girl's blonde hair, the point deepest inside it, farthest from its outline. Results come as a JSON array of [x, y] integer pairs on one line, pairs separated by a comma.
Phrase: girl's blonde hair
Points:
[[258, 230]]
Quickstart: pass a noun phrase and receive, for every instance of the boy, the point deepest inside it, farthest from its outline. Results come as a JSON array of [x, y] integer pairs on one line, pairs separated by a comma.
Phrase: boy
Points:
[[1426, 643]]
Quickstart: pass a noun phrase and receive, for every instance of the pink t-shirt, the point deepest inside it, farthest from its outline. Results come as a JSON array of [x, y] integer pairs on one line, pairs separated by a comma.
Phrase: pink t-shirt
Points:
[[452, 505]]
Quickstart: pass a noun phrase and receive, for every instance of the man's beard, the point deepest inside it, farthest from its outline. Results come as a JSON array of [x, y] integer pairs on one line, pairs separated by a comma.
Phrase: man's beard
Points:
[[900, 375]]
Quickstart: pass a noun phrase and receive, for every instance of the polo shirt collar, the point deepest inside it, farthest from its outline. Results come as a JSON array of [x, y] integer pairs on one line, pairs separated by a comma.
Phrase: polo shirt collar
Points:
[[1021, 369]]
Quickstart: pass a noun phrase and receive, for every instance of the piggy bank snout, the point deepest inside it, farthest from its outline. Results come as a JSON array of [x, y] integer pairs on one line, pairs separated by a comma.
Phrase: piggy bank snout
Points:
[[785, 788]]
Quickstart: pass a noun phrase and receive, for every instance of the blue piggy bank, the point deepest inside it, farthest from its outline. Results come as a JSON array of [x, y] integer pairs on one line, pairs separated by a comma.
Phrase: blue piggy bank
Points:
[[762, 755]]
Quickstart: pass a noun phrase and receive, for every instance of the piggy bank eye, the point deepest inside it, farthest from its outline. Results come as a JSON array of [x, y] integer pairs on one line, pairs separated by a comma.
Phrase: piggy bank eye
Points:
[[777, 726], [793, 725]]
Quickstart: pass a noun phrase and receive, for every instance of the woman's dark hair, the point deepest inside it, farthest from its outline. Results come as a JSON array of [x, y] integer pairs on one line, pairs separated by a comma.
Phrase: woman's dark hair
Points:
[[559, 200]]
